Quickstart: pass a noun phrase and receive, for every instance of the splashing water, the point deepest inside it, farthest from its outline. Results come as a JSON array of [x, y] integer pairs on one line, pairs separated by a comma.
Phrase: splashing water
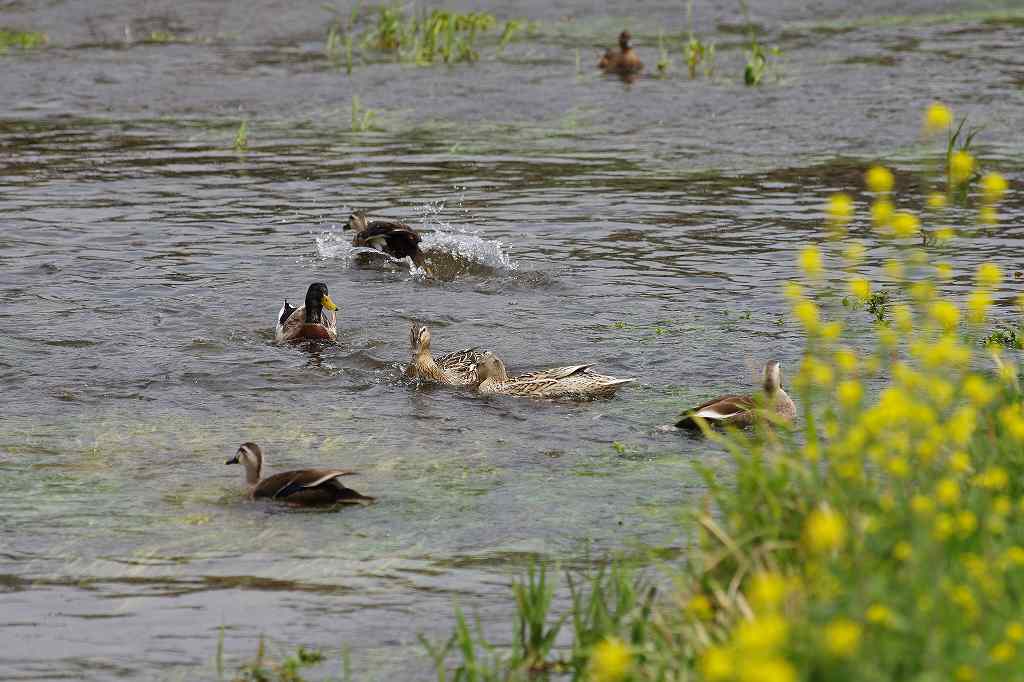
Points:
[[450, 252]]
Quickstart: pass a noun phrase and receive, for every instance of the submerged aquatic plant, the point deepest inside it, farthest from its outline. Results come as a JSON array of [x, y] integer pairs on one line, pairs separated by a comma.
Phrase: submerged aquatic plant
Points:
[[25, 40], [664, 61], [242, 137], [757, 57], [697, 53], [883, 539], [362, 118], [263, 668]]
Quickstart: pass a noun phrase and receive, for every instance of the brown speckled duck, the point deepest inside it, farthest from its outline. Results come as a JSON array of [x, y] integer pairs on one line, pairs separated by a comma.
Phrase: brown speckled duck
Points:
[[453, 369], [309, 321], [398, 240], [744, 410], [305, 487], [576, 382], [624, 61]]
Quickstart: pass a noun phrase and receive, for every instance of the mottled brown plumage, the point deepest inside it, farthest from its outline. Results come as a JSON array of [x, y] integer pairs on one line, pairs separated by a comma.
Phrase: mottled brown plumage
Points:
[[304, 487], [575, 382], [744, 410], [453, 369]]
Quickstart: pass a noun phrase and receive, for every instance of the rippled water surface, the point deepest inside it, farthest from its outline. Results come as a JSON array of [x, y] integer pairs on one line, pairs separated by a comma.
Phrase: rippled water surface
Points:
[[646, 228]]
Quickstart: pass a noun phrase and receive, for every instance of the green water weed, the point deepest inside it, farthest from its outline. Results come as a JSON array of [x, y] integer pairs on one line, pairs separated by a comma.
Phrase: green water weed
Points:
[[241, 143], [362, 118], [23, 40]]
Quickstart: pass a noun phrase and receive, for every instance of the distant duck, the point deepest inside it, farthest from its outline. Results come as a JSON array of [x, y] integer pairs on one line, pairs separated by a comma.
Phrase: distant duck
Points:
[[744, 410], [453, 369], [576, 382], [398, 240], [623, 61], [309, 321], [305, 487]]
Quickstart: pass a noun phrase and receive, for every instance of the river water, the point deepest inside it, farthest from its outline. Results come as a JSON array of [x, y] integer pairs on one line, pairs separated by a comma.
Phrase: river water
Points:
[[644, 227]]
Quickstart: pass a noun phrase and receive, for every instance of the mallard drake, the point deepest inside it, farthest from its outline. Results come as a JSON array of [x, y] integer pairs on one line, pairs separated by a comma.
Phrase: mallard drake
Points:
[[306, 487], [623, 61], [309, 321], [454, 369], [398, 240], [744, 410], [574, 382]]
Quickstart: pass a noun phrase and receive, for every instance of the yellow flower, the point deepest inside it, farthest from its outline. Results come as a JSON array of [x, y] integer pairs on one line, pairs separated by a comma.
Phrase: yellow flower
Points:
[[1002, 652], [716, 664], [993, 478], [761, 635], [960, 462], [810, 261], [879, 614], [860, 288], [937, 117], [943, 527], [1012, 420], [978, 303], [988, 215], [993, 185], [839, 208], [1015, 631], [945, 313], [854, 252], [767, 590], [947, 492], [960, 425], [965, 673], [768, 670], [961, 166], [700, 607], [824, 531], [610, 660], [793, 291], [816, 372], [842, 638], [979, 391], [898, 467], [936, 200], [807, 313], [989, 275], [967, 522], [846, 360], [879, 179], [905, 224], [849, 393], [943, 235], [881, 212], [902, 550]]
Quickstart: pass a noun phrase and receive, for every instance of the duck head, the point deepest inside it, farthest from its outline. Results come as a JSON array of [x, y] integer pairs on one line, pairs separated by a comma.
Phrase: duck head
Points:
[[419, 337], [317, 299], [772, 377], [249, 455], [356, 221], [625, 41], [490, 367]]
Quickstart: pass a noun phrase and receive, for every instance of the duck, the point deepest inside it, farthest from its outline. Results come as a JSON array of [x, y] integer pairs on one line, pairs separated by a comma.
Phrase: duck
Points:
[[453, 369], [303, 487], [745, 410], [308, 321], [623, 61], [575, 382], [397, 240]]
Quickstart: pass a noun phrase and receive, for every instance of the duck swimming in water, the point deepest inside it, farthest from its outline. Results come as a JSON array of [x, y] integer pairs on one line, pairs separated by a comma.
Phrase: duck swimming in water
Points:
[[398, 240], [624, 61], [453, 369], [305, 487], [576, 382], [309, 321], [744, 410]]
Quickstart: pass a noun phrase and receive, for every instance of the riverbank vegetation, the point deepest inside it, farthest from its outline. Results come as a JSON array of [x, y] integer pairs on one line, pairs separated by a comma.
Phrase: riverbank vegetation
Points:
[[880, 538]]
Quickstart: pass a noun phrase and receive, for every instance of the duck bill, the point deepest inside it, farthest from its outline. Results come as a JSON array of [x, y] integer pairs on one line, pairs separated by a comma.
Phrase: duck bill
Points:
[[233, 460], [328, 303]]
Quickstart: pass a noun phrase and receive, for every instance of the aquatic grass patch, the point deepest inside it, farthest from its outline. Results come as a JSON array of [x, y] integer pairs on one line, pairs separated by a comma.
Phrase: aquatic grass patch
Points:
[[362, 118], [241, 143], [881, 537], [22, 40]]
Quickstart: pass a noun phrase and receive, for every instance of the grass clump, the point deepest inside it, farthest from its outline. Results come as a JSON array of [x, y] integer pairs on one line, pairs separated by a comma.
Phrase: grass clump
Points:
[[1007, 338], [242, 137], [264, 668], [23, 40], [362, 118], [881, 537]]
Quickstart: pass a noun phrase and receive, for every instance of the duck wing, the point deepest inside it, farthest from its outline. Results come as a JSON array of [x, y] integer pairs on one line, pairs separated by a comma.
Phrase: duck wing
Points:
[[460, 363], [730, 408], [395, 239], [293, 326], [309, 486]]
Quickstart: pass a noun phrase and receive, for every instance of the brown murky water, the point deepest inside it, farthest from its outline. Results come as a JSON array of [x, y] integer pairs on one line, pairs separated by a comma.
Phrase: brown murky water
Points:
[[645, 228]]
